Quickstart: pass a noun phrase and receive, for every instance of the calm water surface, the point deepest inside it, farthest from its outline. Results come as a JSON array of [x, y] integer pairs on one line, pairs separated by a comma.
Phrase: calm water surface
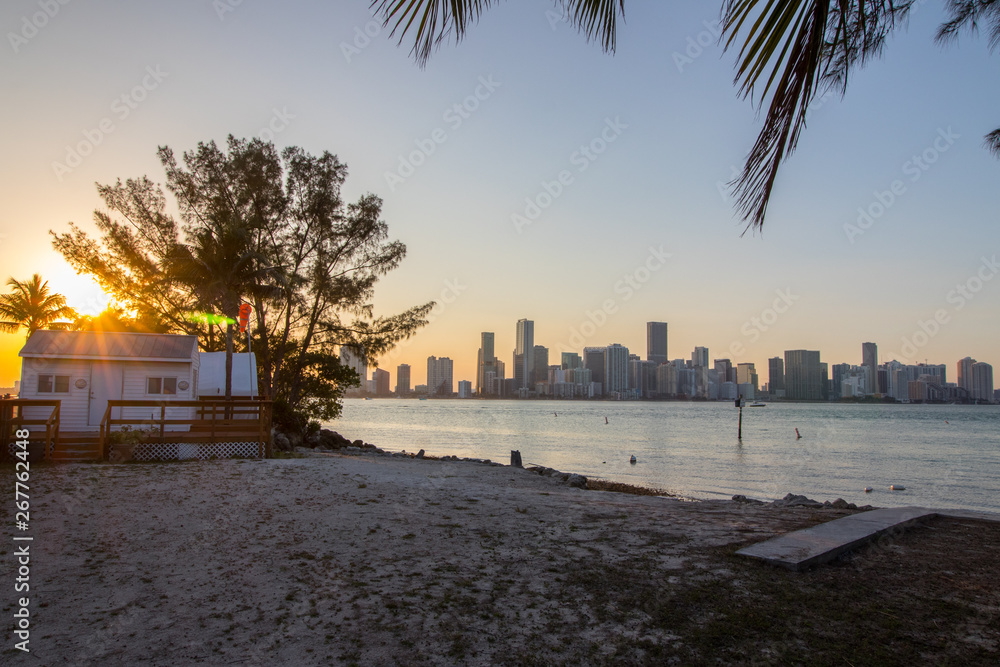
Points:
[[945, 455]]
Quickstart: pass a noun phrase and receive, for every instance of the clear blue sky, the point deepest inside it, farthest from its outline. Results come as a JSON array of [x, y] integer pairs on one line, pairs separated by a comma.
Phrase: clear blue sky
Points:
[[678, 134]]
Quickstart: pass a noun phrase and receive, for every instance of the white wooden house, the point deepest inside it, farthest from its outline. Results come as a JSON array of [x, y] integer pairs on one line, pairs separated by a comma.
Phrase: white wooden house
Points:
[[84, 370], [212, 375]]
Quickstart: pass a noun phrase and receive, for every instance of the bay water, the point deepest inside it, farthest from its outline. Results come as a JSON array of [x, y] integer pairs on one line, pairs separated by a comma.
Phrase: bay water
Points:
[[945, 456]]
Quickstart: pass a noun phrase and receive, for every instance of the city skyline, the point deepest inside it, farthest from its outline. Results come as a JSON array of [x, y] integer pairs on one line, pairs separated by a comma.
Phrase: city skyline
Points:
[[882, 226], [805, 364]]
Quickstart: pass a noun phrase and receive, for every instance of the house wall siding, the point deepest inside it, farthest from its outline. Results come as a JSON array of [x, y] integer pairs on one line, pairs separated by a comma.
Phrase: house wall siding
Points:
[[73, 407]]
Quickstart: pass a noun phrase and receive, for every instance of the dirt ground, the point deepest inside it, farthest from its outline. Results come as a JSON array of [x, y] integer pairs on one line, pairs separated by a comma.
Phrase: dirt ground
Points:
[[394, 561]]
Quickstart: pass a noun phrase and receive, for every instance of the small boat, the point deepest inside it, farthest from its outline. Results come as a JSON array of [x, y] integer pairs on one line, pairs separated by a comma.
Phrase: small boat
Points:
[[758, 404], [868, 489], [632, 460], [896, 487]]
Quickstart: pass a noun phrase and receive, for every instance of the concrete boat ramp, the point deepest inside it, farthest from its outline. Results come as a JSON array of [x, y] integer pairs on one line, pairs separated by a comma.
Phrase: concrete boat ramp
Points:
[[824, 542]]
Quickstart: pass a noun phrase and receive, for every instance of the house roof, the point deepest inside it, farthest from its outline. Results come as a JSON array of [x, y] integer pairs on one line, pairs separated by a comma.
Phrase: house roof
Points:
[[109, 346]]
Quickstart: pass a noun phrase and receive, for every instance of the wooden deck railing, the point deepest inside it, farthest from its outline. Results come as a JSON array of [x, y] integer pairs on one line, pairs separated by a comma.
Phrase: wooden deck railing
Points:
[[12, 419], [214, 421]]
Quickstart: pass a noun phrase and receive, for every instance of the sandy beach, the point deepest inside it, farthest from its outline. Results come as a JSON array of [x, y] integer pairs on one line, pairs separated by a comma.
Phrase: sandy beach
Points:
[[378, 560]]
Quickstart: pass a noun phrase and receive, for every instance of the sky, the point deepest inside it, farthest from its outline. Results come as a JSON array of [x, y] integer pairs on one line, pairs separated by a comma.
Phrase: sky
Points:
[[531, 175]]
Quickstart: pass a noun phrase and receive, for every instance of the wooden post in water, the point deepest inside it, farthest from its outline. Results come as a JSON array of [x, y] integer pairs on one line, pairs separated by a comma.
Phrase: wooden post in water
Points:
[[739, 432]]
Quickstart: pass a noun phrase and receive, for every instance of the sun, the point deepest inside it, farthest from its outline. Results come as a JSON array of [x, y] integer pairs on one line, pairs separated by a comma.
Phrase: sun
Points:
[[81, 291]]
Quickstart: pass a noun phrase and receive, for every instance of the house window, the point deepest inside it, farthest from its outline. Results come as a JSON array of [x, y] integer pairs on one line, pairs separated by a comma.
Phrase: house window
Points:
[[48, 384], [164, 386]]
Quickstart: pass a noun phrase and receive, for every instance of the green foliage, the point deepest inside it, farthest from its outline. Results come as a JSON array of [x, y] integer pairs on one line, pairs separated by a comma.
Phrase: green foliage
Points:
[[32, 306], [260, 227], [129, 436]]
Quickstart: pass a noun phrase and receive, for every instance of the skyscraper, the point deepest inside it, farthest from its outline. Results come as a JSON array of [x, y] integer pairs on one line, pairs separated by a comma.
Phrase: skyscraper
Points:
[[803, 375], [380, 377], [869, 360], [775, 375], [615, 369], [593, 359], [540, 371], [402, 379], [354, 358], [571, 360], [747, 374], [982, 382], [965, 374], [725, 369], [487, 363], [699, 358], [656, 342], [524, 354], [440, 373]]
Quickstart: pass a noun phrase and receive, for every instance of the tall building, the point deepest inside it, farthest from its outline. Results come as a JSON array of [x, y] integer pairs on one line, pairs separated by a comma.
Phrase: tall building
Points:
[[380, 377], [775, 375], [965, 374], [524, 354], [571, 360], [699, 358], [540, 372], [656, 342], [982, 382], [803, 375], [487, 363], [402, 379], [725, 369], [593, 359], [666, 380], [354, 358], [869, 359], [464, 389], [747, 374], [615, 369], [440, 373]]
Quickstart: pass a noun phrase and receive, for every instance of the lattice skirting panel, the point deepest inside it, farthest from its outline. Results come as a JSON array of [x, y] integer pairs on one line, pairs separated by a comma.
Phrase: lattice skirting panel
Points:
[[185, 451]]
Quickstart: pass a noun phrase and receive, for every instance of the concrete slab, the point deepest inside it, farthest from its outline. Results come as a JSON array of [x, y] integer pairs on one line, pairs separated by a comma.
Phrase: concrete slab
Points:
[[820, 544]]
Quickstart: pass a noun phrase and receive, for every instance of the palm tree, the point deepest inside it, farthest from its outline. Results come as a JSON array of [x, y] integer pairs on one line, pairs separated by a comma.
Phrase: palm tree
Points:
[[32, 306], [221, 266], [790, 51]]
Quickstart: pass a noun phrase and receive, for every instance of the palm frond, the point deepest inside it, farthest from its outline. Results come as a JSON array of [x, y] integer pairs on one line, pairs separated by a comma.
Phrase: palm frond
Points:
[[969, 14], [432, 21], [801, 47], [992, 142]]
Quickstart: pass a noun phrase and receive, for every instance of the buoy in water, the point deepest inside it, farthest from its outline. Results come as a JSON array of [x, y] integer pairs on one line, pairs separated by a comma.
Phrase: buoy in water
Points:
[[605, 420], [797, 436], [896, 487], [632, 460], [868, 489]]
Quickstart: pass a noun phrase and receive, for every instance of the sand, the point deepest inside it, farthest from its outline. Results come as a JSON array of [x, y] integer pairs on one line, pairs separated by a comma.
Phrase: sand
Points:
[[351, 559]]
